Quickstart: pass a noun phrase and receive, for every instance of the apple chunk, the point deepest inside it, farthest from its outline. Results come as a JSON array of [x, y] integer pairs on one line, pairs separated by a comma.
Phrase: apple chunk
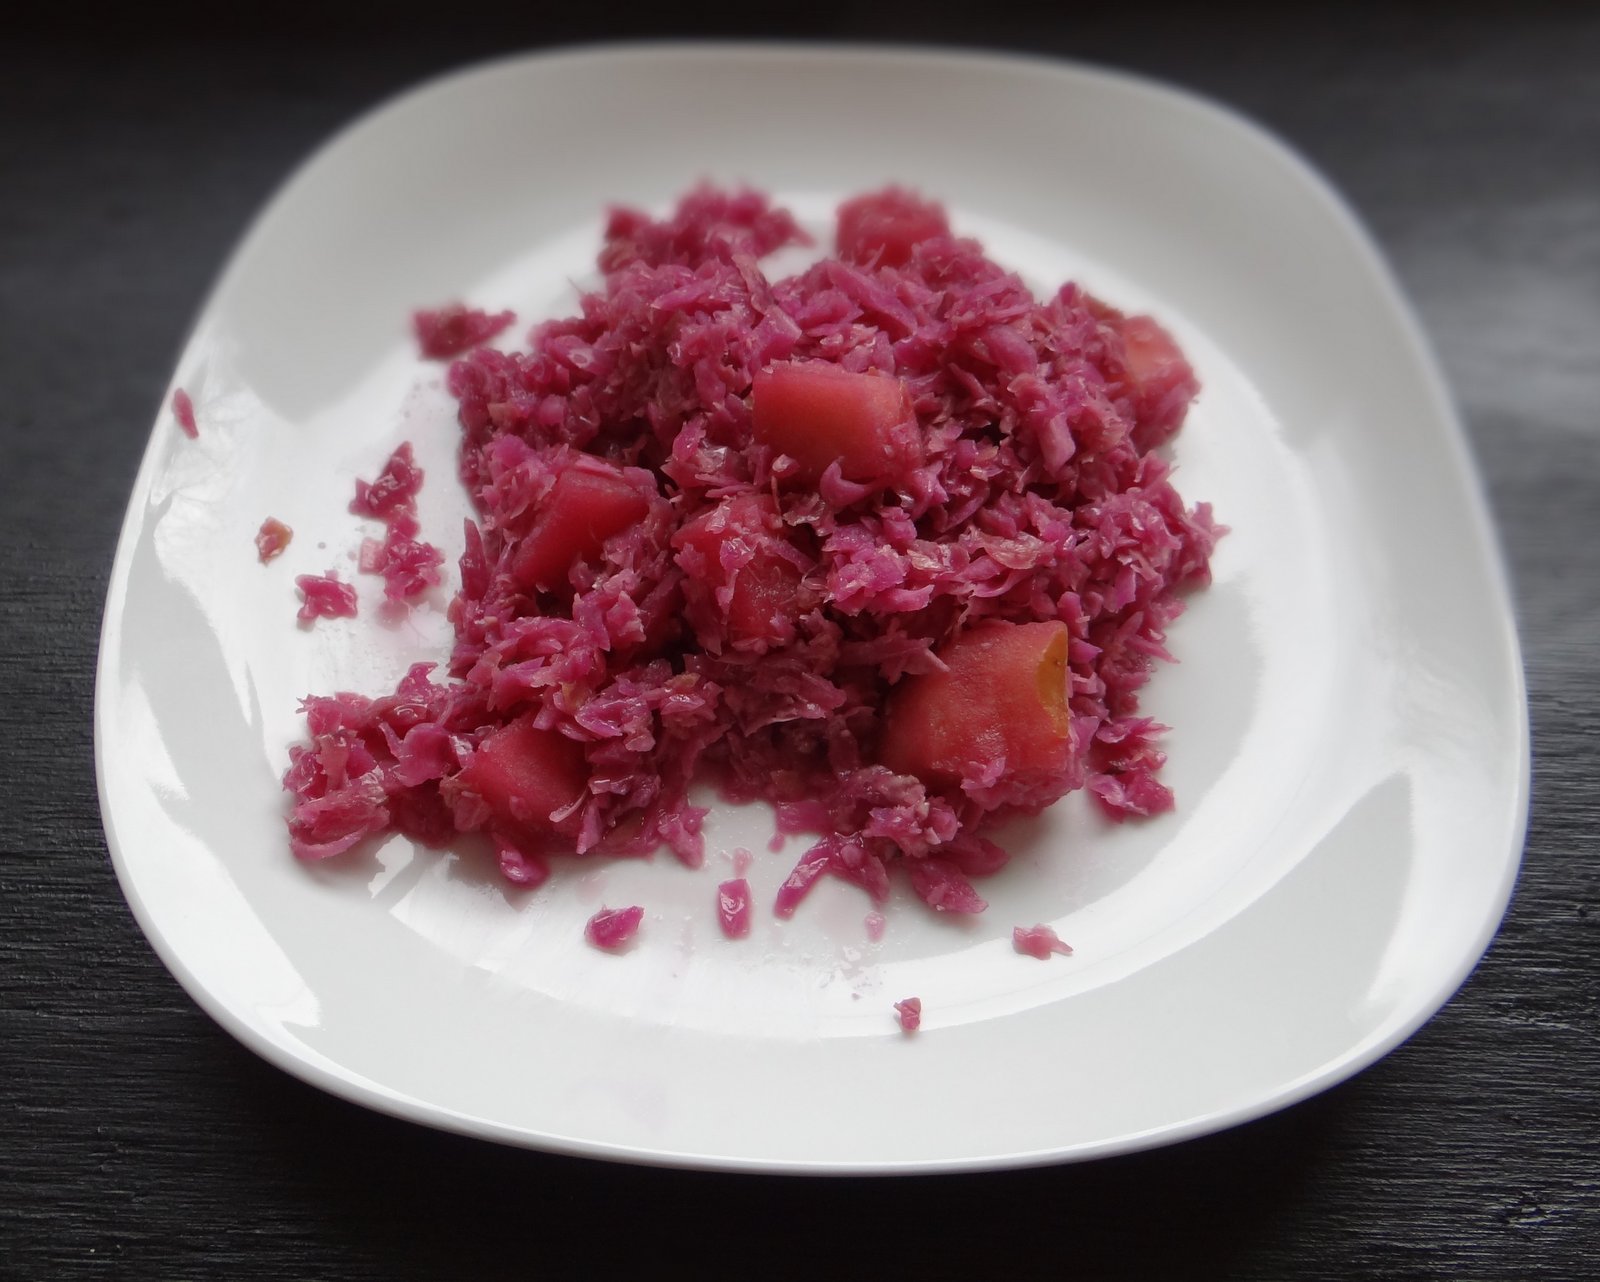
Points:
[[590, 502], [525, 775], [817, 413], [1003, 699]]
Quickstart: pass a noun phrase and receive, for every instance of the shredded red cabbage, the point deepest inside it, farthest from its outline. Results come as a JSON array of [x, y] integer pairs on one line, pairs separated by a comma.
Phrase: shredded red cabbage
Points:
[[393, 493], [654, 590], [409, 566]]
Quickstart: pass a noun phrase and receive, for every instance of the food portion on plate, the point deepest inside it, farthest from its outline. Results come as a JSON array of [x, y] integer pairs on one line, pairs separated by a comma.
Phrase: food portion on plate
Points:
[[889, 543]]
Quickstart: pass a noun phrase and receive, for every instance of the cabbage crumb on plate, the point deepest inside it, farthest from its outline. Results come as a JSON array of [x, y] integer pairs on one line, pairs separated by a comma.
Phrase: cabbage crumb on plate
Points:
[[909, 1014]]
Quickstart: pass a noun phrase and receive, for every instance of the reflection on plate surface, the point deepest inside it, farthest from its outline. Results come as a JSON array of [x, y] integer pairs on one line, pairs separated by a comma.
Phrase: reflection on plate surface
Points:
[[1349, 747]]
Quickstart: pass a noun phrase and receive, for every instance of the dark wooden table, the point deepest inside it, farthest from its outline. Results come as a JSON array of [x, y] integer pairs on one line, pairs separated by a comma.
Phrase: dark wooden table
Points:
[[137, 1140]]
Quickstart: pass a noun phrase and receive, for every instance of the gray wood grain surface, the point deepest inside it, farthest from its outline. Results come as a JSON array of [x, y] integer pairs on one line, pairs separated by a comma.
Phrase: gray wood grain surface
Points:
[[137, 1140]]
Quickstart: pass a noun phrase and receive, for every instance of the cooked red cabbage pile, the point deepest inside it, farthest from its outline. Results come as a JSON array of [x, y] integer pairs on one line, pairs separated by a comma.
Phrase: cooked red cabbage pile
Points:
[[888, 543]]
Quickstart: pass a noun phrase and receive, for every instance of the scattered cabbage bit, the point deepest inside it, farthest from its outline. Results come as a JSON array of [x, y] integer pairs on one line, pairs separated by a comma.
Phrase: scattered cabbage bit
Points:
[[611, 928], [324, 596], [271, 539], [394, 491], [409, 566], [887, 543], [183, 411], [733, 908], [1039, 941], [451, 330], [909, 1013]]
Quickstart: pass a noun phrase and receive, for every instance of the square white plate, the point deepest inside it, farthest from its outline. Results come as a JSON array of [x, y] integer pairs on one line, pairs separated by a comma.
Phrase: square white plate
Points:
[[1350, 743]]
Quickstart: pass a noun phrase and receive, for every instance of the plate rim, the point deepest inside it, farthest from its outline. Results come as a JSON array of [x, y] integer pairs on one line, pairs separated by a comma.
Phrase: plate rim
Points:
[[1454, 439]]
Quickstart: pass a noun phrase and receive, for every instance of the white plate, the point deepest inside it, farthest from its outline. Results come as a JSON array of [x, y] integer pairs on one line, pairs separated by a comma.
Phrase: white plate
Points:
[[1350, 743]]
